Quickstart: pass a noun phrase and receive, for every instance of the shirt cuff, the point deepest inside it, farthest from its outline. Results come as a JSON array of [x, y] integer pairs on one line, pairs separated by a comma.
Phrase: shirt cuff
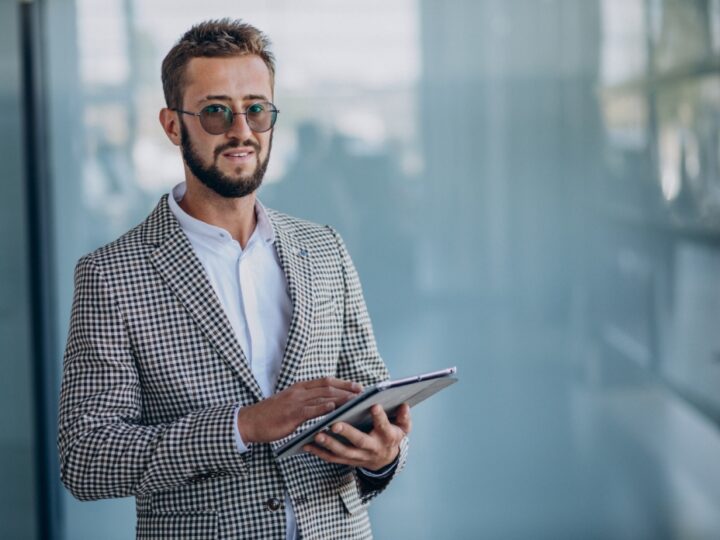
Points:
[[238, 439], [386, 471]]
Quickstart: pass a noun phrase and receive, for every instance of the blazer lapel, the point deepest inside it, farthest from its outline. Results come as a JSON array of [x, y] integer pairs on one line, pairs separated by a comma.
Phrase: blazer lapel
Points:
[[176, 262], [296, 263]]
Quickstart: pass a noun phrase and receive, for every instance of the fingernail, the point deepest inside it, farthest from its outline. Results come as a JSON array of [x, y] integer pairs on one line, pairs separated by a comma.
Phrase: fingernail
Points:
[[320, 438], [337, 428]]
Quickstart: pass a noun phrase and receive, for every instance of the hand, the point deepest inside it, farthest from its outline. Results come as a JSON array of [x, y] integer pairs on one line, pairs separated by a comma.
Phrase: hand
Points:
[[372, 450], [279, 415]]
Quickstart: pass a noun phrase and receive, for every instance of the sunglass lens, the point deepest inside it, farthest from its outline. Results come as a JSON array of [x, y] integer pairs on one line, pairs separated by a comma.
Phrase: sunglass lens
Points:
[[261, 116], [216, 119]]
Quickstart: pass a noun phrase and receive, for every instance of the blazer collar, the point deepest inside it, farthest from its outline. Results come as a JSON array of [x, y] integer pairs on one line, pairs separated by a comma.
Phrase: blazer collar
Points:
[[296, 261]]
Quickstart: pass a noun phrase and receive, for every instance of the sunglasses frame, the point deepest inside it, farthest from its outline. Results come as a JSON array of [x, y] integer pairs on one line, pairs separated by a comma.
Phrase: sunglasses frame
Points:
[[228, 111]]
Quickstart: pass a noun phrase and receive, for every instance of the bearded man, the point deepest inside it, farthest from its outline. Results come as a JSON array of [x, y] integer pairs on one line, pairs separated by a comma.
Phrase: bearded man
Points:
[[209, 334]]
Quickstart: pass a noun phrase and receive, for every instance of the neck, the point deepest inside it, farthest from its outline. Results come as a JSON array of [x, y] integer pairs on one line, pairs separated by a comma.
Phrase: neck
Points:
[[235, 215]]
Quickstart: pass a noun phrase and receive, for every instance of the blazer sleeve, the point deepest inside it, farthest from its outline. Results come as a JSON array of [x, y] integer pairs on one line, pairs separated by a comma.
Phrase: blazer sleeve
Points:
[[360, 360], [105, 449]]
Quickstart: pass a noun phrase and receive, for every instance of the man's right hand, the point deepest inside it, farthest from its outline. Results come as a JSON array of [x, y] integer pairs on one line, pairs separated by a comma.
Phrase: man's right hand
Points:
[[279, 415]]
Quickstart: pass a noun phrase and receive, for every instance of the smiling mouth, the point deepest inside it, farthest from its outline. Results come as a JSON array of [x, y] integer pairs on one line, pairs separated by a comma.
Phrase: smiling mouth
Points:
[[239, 156]]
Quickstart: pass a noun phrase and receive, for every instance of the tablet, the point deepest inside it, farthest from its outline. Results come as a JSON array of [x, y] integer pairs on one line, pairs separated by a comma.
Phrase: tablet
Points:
[[389, 394]]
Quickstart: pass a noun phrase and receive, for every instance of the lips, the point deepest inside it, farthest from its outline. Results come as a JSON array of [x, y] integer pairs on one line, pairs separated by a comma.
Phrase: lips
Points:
[[239, 155]]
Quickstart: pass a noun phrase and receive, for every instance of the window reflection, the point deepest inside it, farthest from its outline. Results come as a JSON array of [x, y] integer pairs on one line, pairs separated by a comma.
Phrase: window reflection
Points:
[[681, 33], [662, 206], [689, 123]]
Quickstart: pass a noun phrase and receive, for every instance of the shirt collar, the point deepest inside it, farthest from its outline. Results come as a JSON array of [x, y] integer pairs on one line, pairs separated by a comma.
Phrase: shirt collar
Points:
[[263, 229]]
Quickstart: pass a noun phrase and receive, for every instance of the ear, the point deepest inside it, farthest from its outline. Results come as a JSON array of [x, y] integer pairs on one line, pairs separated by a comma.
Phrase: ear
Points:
[[171, 125]]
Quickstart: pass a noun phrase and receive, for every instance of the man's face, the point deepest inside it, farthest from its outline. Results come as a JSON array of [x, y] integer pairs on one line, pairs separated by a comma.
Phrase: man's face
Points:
[[232, 164]]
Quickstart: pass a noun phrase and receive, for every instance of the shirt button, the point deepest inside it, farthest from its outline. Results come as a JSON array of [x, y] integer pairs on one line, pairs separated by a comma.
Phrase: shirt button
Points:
[[272, 504]]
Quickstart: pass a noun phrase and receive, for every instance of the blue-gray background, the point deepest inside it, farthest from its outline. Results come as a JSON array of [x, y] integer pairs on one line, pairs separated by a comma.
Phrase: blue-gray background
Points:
[[530, 190]]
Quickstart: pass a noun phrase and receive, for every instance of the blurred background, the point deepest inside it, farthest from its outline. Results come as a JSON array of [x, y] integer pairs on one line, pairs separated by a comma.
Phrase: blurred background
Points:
[[530, 190]]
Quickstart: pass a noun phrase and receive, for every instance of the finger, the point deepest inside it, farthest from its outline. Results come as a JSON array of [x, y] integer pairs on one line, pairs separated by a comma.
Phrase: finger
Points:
[[334, 383], [329, 456], [357, 438], [328, 392], [336, 394], [318, 401], [402, 419], [381, 424], [339, 449], [313, 411]]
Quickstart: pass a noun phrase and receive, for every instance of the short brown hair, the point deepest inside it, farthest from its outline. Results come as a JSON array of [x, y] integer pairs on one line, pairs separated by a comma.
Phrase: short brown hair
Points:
[[213, 38]]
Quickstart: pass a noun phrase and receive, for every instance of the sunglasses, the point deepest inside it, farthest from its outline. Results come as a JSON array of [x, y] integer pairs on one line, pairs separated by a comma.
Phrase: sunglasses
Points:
[[217, 119]]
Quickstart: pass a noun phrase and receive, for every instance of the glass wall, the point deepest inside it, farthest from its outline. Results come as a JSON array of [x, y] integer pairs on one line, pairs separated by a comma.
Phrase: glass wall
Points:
[[530, 192]]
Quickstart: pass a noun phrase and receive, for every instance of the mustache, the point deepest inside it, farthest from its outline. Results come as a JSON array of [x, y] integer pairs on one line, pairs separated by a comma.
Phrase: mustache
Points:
[[235, 143]]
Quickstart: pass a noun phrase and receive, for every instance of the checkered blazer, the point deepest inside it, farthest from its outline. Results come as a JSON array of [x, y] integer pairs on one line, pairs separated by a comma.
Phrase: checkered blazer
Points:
[[153, 373]]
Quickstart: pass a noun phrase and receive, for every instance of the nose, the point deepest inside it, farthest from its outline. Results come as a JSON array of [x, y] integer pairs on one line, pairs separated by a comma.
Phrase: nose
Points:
[[239, 128]]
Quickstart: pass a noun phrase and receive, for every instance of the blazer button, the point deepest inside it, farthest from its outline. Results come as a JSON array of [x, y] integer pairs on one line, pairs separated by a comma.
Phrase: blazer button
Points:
[[273, 504]]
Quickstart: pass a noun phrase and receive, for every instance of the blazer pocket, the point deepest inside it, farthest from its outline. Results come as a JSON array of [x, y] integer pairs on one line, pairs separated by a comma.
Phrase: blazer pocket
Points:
[[351, 497], [186, 525], [202, 495]]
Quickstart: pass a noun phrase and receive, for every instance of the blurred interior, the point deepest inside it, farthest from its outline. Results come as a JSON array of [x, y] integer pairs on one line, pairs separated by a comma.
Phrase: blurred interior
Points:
[[530, 190]]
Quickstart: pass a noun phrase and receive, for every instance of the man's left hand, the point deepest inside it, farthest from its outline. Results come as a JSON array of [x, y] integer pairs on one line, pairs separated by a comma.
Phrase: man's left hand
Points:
[[373, 450]]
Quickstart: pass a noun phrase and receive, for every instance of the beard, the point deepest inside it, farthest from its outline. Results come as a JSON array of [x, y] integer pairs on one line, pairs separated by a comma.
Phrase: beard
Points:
[[212, 177]]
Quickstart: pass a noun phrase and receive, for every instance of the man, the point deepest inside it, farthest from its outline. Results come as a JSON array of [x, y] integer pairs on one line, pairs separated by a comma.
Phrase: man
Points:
[[206, 336]]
